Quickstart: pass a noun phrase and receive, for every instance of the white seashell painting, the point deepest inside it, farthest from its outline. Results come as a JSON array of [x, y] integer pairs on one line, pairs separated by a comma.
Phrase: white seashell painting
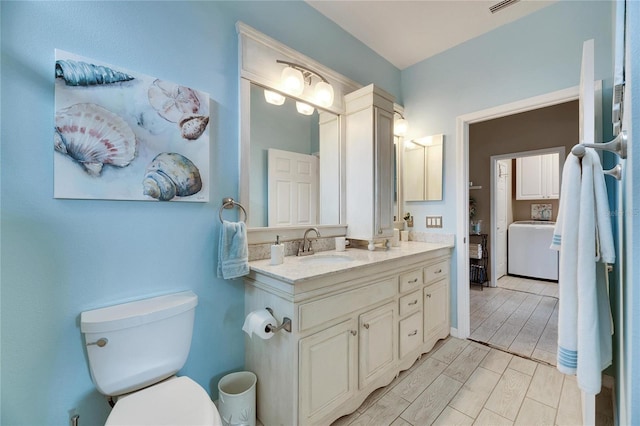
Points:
[[122, 135]]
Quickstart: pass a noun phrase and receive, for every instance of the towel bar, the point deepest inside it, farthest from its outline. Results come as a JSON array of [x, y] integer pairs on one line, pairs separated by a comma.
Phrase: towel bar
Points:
[[618, 146], [229, 203]]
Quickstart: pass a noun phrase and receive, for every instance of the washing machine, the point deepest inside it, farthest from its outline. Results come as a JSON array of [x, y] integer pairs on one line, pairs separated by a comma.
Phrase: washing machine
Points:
[[529, 254]]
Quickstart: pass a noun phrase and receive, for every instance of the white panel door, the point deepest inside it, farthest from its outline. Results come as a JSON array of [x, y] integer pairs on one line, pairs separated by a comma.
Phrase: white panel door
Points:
[[503, 171], [293, 188], [587, 114]]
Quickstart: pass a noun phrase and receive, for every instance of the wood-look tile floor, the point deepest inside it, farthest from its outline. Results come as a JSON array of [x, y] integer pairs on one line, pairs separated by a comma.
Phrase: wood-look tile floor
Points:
[[461, 382], [519, 316]]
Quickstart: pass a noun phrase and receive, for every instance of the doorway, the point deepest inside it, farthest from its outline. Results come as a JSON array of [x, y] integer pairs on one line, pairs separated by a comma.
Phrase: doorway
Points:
[[462, 330], [503, 201]]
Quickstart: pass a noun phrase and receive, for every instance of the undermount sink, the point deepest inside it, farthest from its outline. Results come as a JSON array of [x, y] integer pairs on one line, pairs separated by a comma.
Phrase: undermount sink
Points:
[[326, 259]]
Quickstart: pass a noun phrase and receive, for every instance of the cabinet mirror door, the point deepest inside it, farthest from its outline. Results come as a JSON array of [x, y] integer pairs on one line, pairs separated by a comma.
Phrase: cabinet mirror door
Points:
[[422, 169]]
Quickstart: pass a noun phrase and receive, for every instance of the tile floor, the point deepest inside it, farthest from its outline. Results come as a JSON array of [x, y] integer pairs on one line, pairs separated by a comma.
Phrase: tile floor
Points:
[[519, 316], [461, 382]]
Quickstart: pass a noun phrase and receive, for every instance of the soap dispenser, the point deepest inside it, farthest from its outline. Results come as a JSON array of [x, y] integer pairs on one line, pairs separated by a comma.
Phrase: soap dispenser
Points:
[[277, 252]]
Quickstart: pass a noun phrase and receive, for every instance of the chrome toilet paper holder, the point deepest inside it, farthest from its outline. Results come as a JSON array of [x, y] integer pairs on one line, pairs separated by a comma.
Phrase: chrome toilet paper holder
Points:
[[286, 324]]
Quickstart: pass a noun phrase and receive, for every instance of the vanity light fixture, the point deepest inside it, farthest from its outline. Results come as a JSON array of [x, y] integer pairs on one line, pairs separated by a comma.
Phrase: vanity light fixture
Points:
[[295, 76], [304, 109], [400, 125], [273, 98]]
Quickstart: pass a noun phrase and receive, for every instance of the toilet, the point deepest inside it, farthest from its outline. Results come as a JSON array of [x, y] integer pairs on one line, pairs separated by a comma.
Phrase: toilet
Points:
[[134, 351]]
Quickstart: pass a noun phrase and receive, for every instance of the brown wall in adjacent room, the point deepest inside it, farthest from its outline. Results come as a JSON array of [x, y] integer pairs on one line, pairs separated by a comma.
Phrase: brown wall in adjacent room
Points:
[[549, 127]]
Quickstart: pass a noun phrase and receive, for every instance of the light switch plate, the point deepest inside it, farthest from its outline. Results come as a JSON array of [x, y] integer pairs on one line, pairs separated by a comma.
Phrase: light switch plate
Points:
[[434, 221]]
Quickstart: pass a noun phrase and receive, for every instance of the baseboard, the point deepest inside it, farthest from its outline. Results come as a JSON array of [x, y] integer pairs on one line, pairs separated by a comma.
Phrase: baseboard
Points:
[[454, 332]]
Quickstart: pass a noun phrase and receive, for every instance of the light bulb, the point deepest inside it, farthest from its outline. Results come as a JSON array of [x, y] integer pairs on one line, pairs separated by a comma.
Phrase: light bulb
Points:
[[292, 81], [304, 109], [400, 127], [273, 98], [324, 94]]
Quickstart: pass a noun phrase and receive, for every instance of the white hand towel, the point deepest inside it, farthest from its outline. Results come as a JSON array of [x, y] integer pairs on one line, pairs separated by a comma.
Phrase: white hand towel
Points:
[[565, 239], [233, 250], [583, 236]]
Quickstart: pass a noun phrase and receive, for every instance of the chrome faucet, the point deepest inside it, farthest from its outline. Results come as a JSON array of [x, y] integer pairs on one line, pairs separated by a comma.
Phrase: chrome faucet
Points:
[[305, 249]]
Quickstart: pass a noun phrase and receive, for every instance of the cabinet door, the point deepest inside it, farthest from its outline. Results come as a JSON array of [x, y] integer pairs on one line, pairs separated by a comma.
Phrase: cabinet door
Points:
[[327, 370], [384, 173], [552, 174], [377, 343], [538, 177], [529, 178], [436, 311]]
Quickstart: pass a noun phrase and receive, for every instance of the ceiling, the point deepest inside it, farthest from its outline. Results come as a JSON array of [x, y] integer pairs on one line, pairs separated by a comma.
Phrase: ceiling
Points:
[[407, 32]]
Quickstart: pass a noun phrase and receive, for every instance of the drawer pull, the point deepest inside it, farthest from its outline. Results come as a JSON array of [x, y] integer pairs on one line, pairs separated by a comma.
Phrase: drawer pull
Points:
[[415, 302], [415, 280], [439, 271], [413, 333], [429, 295], [354, 332], [366, 325]]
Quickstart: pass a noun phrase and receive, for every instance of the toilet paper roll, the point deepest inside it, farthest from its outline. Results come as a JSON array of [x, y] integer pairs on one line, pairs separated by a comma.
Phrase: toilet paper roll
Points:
[[256, 323]]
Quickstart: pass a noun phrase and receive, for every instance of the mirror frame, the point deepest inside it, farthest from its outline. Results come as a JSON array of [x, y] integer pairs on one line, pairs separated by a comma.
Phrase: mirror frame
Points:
[[257, 65]]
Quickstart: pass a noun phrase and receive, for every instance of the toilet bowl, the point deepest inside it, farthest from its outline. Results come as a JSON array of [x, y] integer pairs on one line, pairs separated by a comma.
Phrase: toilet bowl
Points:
[[175, 401], [135, 350]]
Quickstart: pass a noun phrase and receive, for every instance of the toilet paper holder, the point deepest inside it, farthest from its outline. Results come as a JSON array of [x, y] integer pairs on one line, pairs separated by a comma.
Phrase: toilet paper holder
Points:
[[286, 324]]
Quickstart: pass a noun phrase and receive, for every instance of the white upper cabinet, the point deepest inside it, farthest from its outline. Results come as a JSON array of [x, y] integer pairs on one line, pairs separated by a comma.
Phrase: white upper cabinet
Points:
[[538, 177], [369, 164]]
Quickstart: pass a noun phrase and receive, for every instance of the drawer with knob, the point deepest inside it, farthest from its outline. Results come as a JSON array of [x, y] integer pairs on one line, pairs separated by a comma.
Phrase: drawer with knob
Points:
[[412, 302], [410, 333], [436, 271], [410, 280]]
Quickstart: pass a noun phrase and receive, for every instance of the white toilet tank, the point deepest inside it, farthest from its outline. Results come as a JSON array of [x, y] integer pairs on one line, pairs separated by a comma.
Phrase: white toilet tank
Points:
[[136, 344]]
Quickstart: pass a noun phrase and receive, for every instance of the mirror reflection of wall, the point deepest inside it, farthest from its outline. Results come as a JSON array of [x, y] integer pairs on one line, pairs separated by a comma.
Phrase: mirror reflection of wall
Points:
[[422, 169], [293, 201]]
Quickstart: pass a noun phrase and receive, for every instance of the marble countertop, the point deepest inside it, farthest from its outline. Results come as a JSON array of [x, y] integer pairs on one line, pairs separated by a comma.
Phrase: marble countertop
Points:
[[300, 268]]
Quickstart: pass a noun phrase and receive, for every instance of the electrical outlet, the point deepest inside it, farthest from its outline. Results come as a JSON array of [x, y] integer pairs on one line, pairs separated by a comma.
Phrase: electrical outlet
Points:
[[434, 221]]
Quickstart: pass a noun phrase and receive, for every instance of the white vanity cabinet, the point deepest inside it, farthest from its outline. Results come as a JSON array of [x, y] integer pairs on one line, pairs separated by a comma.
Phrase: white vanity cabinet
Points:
[[369, 164], [538, 177], [354, 328]]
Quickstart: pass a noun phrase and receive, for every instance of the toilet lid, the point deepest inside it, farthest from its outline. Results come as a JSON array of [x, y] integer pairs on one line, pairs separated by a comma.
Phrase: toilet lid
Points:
[[177, 401]]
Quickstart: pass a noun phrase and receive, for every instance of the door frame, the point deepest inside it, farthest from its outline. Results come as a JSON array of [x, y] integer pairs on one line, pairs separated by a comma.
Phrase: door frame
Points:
[[560, 150], [463, 329]]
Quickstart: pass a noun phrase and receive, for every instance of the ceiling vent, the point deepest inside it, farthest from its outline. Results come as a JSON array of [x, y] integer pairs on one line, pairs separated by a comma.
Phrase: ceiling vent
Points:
[[501, 5]]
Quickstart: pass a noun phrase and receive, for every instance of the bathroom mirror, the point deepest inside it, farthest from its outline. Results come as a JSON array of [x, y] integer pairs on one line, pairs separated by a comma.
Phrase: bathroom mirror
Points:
[[294, 164], [422, 168]]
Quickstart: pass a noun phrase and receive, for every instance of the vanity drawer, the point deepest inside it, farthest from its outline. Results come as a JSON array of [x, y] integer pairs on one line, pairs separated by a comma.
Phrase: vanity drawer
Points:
[[320, 311], [412, 302], [410, 333], [436, 271], [410, 280]]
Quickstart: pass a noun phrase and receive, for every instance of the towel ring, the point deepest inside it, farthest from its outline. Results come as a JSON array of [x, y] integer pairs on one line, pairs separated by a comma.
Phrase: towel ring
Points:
[[229, 203]]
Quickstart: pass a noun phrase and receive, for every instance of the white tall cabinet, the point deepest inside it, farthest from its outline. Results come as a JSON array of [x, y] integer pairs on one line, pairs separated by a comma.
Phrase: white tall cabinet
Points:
[[369, 164]]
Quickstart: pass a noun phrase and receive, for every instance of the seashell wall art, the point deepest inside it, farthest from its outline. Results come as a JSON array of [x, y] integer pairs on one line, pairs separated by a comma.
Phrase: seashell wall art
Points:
[[122, 135]]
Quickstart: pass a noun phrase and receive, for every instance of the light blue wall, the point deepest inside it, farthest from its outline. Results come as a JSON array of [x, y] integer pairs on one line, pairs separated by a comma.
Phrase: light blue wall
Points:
[[537, 54], [61, 257], [631, 282]]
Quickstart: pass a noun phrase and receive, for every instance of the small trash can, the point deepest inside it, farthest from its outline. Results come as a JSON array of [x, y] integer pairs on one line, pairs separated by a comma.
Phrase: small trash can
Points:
[[237, 399]]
